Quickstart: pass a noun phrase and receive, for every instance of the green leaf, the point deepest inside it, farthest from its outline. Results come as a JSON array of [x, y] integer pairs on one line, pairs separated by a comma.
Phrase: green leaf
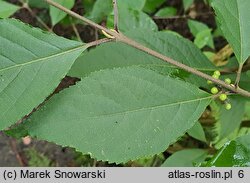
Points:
[[197, 132], [229, 120], [56, 14], [38, 4], [101, 9], [111, 55], [88, 6], [235, 153], [235, 25], [196, 27], [120, 115], [202, 34], [204, 38], [209, 55], [166, 12], [244, 79], [131, 4], [185, 158], [247, 110], [248, 73], [243, 131], [130, 19], [187, 4], [7, 9], [152, 5], [37, 159], [32, 63], [17, 132]]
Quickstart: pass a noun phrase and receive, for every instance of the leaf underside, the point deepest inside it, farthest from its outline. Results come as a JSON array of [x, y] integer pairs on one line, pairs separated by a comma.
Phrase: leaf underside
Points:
[[235, 25], [32, 63], [120, 115]]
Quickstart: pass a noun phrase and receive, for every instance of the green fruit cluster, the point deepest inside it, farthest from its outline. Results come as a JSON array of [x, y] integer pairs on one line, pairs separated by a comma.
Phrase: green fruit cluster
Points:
[[216, 75], [214, 90]]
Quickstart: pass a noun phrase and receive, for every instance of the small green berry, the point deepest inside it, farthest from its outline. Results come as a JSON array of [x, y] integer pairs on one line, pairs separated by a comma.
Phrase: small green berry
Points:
[[217, 73], [214, 90], [223, 97], [209, 82], [228, 106], [215, 76], [228, 81]]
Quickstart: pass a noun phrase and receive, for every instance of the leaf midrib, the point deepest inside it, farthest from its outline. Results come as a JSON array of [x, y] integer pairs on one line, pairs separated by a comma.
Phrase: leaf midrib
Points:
[[149, 108], [241, 34], [43, 58]]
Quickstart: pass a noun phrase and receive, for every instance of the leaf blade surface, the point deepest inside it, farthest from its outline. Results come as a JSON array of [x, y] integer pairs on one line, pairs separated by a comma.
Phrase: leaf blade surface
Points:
[[121, 114]]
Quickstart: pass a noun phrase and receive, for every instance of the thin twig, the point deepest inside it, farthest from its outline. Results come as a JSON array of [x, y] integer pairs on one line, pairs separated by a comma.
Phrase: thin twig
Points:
[[120, 37], [73, 14], [26, 6], [94, 163], [96, 34], [116, 16], [98, 42], [15, 151], [182, 66], [76, 31], [154, 161], [238, 76], [233, 70]]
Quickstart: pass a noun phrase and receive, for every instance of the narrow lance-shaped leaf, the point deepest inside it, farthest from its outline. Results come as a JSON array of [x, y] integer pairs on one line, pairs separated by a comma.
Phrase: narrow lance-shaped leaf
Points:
[[233, 17], [121, 114], [32, 63]]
